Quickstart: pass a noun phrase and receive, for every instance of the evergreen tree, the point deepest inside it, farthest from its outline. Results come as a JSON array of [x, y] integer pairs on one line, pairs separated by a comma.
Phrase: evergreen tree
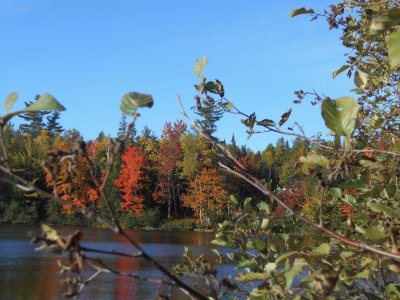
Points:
[[123, 126], [210, 111], [53, 125], [34, 121]]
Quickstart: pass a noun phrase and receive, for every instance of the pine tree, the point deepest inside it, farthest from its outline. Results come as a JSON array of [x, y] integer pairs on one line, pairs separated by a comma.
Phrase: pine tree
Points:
[[123, 126], [53, 125], [210, 111], [34, 121]]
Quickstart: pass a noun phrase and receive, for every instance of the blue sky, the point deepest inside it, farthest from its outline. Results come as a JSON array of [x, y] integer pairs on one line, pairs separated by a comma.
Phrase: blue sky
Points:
[[88, 53]]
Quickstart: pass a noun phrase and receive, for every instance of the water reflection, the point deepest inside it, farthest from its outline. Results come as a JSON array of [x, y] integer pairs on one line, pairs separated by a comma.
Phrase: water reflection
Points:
[[125, 286], [26, 274]]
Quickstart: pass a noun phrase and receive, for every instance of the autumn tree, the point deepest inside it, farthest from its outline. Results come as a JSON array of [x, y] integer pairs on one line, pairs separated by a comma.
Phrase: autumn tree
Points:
[[206, 194], [196, 154], [150, 149], [129, 181], [73, 181], [170, 152]]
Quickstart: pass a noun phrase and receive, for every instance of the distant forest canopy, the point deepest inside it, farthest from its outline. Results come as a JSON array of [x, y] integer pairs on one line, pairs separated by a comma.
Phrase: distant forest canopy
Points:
[[169, 177]]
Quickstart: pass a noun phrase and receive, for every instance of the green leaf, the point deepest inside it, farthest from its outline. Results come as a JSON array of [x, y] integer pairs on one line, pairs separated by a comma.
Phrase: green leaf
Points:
[[247, 205], [379, 208], [340, 115], [369, 164], [212, 87], [249, 263], [360, 229], [335, 192], [266, 123], [132, 101], [350, 200], [321, 250], [50, 233], [264, 223], [296, 269], [234, 200], [346, 254], [229, 105], [315, 160], [269, 267], [252, 276], [374, 233], [392, 290], [217, 253], [199, 66], [221, 90], [301, 11], [259, 294], [45, 102], [363, 275], [341, 69], [256, 244], [9, 102], [220, 242], [263, 206], [393, 46], [284, 256], [360, 79], [388, 19]]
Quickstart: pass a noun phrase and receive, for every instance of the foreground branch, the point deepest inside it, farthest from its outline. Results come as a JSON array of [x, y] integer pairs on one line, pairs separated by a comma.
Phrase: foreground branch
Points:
[[243, 174]]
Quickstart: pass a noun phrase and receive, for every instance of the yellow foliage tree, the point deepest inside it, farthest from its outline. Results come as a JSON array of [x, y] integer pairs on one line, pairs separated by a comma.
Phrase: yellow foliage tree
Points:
[[206, 193]]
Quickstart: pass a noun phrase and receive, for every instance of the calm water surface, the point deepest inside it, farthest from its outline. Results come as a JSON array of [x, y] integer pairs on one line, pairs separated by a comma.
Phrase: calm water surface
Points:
[[28, 274]]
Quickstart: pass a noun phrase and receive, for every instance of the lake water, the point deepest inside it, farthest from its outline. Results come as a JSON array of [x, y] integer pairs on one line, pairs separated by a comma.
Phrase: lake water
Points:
[[29, 274]]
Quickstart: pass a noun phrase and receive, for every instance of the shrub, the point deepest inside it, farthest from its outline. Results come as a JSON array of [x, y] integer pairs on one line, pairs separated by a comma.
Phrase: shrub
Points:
[[179, 225], [148, 218]]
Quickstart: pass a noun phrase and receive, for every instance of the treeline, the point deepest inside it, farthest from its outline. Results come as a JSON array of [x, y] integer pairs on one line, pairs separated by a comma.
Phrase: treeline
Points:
[[173, 176]]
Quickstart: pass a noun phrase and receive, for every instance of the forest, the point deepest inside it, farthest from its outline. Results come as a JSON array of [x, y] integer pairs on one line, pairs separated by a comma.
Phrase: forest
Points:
[[154, 179], [310, 218]]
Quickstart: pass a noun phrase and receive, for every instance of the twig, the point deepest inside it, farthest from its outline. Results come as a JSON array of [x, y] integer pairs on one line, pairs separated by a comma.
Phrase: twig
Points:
[[111, 252], [304, 137], [258, 185], [91, 215]]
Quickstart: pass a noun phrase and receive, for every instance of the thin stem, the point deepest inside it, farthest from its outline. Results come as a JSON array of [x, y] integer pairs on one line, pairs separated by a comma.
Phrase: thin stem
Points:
[[258, 185], [111, 252], [108, 269], [89, 214], [3, 145]]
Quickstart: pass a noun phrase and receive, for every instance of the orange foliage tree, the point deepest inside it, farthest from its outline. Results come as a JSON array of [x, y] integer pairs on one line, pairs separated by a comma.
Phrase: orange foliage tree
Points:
[[73, 181], [206, 193], [129, 181]]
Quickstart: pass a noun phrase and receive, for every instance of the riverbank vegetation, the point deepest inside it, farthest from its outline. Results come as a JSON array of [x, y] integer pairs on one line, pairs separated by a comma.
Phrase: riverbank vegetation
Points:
[[343, 190], [153, 180]]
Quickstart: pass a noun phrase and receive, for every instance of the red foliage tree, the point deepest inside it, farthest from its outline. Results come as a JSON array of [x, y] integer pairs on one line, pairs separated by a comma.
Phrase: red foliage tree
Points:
[[129, 182], [169, 154]]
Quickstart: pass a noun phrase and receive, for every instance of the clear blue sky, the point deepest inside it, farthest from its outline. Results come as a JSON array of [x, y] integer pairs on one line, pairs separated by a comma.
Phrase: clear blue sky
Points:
[[88, 53]]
